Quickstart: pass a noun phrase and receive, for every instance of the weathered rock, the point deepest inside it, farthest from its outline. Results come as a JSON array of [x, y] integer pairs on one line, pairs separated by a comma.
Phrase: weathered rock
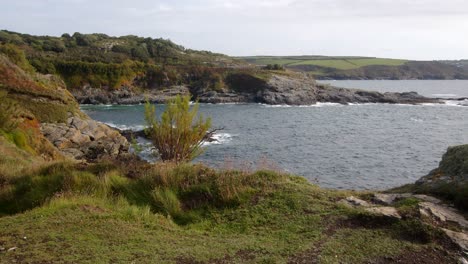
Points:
[[94, 141], [459, 238], [126, 95], [353, 201], [388, 199], [427, 198], [442, 213], [384, 211], [289, 89], [463, 260]]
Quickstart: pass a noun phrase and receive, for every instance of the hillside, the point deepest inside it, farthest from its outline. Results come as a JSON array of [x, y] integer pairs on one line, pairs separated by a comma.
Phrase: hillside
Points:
[[71, 193], [324, 67]]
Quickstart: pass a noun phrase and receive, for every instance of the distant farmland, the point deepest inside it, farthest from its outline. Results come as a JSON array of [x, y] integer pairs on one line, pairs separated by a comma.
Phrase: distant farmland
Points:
[[339, 63], [367, 68]]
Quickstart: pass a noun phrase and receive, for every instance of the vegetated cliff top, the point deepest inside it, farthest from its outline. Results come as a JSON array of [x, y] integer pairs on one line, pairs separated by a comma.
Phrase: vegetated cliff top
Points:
[[44, 97], [107, 49]]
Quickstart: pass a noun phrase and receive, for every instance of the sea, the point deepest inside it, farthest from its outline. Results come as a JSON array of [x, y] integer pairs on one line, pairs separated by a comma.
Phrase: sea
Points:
[[356, 146]]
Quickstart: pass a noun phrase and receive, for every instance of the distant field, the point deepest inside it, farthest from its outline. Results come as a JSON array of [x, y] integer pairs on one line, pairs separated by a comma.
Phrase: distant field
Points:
[[341, 63]]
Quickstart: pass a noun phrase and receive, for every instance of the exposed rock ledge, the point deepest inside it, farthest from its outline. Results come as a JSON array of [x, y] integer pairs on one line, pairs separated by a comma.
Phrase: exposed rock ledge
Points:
[[278, 89], [85, 139]]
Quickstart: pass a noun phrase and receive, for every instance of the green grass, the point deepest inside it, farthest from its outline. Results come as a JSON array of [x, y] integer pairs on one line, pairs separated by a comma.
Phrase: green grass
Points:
[[188, 213], [340, 63]]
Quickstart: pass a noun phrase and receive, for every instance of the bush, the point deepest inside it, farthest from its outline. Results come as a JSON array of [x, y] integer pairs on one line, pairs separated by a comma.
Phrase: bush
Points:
[[7, 111], [177, 136], [274, 67], [17, 56]]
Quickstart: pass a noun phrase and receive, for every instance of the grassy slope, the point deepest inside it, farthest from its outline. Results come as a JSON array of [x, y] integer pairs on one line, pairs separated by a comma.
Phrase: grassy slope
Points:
[[97, 216], [68, 213]]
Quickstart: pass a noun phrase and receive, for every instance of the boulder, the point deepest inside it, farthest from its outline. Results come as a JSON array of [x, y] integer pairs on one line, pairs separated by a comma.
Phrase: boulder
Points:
[[459, 238], [388, 199], [82, 138], [442, 213], [354, 202], [390, 212]]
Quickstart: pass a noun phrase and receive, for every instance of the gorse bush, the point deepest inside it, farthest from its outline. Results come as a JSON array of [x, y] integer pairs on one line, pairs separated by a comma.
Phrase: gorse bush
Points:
[[177, 135]]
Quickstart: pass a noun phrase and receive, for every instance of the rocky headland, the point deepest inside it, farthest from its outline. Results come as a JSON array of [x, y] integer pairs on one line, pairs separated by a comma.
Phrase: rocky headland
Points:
[[277, 89]]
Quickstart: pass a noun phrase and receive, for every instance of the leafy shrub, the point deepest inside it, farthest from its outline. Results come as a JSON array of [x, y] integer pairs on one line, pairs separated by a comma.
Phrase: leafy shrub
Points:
[[177, 136]]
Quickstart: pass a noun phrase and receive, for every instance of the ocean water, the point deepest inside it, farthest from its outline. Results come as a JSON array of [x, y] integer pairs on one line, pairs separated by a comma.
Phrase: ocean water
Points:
[[429, 88], [370, 146]]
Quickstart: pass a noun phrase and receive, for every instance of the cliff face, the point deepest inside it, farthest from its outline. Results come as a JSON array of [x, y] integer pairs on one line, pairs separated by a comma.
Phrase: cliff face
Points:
[[32, 104], [275, 89]]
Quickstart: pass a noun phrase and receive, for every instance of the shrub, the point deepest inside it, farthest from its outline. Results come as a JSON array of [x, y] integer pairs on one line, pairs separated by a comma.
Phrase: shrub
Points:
[[177, 136], [17, 56], [7, 110]]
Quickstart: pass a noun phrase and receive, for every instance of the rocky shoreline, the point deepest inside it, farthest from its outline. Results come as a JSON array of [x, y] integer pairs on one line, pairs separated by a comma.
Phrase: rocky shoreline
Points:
[[277, 90]]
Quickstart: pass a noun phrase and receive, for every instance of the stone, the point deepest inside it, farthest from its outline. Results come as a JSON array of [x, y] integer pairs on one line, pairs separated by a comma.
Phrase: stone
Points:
[[353, 202], [79, 123], [80, 139], [85, 138], [442, 213], [72, 132], [463, 260], [387, 211], [73, 153], [388, 199], [459, 238], [427, 198]]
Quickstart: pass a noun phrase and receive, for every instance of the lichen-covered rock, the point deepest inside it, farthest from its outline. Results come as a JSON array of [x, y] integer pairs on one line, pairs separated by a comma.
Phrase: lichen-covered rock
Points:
[[390, 212], [85, 139]]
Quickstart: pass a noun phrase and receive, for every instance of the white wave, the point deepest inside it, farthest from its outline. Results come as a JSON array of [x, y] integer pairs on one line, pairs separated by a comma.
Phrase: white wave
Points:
[[125, 127], [318, 104], [456, 103], [444, 95], [219, 138]]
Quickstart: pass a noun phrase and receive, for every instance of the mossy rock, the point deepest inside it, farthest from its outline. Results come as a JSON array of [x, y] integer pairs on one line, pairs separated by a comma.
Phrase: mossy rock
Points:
[[455, 162]]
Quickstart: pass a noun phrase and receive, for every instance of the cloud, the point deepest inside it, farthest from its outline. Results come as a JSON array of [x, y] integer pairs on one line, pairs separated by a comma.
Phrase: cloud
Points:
[[418, 29]]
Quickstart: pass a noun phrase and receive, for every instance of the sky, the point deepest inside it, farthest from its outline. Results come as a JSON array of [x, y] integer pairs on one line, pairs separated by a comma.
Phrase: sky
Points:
[[408, 29]]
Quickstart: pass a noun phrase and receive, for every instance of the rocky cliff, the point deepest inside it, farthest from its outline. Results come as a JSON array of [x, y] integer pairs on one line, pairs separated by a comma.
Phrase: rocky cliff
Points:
[[45, 119], [287, 88]]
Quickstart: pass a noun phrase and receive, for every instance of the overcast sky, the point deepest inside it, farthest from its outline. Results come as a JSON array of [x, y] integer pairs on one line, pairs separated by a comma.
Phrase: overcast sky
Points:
[[413, 29]]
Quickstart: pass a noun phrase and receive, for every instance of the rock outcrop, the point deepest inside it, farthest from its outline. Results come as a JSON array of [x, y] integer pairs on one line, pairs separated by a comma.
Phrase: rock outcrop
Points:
[[431, 211], [126, 95], [288, 89], [450, 179], [452, 169], [85, 139]]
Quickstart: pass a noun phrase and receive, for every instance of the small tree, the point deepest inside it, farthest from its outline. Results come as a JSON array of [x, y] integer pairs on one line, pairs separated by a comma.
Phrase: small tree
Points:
[[177, 135]]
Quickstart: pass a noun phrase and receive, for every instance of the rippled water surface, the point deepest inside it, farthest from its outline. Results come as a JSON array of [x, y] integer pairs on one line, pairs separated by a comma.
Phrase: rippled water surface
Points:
[[429, 88], [373, 146]]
